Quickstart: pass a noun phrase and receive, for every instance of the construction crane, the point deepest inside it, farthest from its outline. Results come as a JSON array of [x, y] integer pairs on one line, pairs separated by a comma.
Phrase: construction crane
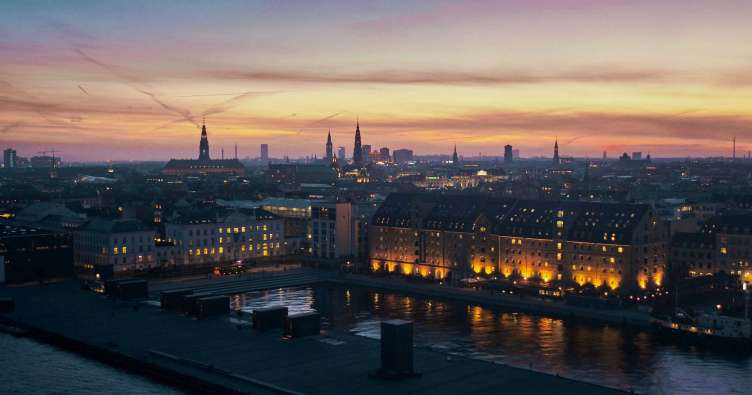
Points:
[[53, 172]]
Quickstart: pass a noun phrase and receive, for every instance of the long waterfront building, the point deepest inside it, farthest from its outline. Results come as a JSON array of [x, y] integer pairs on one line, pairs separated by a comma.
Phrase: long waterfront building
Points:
[[621, 247]]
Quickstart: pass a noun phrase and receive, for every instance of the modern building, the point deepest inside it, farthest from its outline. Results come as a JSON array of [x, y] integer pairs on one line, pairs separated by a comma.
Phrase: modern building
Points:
[[264, 154], [402, 155], [33, 254], [366, 153], [9, 158], [384, 154], [294, 174], [204, 164], [617, 247], [508, 155], [341, 153], [339, 229]]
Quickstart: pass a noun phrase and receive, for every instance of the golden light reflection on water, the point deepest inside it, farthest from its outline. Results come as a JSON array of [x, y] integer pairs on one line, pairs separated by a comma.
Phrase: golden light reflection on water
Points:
[[597, 353]]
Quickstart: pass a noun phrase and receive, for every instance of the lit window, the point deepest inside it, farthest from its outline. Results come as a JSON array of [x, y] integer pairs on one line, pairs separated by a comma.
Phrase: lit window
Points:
[[242, 229], [220, 230], [724, 250], [206, 251], [559, 224], [603, 248], [222, 250], [558, 256], [612, 260], [620, 250], [560, 214], [125, 249], [115, 250], [558, 245]]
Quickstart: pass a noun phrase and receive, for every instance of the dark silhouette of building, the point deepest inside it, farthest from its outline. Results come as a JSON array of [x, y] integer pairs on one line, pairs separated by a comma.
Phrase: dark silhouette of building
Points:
[[402, 155], [329, 147], [357, 148], [455, 158], [384, 154], [203, 146], [508, 155], [9, 158], [557, 160], [34, 254], [265, 152], [204, 164]]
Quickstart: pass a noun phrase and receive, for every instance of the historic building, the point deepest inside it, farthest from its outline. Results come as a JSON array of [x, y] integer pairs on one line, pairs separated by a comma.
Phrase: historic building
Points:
[[620, 247], [122, 245], [221, 235], [204, 164]]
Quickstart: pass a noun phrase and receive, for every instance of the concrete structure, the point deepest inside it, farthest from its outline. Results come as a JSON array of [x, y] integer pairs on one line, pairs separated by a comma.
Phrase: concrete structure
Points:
[[508, 154], [9, 158], [339, 229], [32, 254], [264, 152], [402, 155]]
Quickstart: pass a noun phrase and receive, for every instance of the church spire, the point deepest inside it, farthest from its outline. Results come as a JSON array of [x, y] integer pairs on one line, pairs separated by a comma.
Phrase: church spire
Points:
[[556, 152], [203, 146], [357, 149], [455, 158], [329, 147]]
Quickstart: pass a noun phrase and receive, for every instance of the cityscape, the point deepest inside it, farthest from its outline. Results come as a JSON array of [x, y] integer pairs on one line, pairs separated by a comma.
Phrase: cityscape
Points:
[[333, 197]]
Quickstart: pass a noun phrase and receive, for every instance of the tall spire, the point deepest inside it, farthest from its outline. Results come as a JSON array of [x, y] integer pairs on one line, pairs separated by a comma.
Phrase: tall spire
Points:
[[329, 147], [455, 158], [357, 149], [556, 152], [203, 146]]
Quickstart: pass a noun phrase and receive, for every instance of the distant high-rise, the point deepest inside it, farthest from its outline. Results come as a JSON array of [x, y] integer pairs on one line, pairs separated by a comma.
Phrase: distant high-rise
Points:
[[636, 155], [9, 158], [455, 158], [384, 154], [341, 153], [203, 145], [508, 155], [556, 152], [515, 154], [366, 153], [605, 156], [264, 152], [402, 155], [357, 148], [329, 147]]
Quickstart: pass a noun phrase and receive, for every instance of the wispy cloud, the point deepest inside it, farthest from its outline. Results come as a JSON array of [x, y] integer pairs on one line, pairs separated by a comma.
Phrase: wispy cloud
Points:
[[408, 77]]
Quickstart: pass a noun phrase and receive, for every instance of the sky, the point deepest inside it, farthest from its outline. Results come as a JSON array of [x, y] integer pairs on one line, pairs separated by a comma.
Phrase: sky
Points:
[[132, 80]]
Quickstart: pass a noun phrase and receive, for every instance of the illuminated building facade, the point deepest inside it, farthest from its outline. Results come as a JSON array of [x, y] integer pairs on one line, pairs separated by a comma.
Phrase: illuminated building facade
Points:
[[126, 245], [614, 246], [216, 236]]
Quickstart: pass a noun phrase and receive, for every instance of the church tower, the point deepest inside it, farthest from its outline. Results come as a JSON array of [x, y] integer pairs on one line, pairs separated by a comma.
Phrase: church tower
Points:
[[329, 147], [203, 147], [455, 158], [357, 149], [556, 152]]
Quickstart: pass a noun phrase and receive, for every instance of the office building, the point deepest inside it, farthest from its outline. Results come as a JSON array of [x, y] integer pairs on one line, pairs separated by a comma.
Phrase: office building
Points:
[[9, 158], [402, 155], [508, 155], [264, 152], [384, 154]]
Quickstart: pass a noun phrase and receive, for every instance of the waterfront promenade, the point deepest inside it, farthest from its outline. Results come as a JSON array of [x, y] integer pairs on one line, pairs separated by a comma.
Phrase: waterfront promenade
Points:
[[225, 354]]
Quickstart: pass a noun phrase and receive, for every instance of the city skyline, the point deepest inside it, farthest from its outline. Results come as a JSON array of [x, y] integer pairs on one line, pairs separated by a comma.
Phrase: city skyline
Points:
[[132, 81]]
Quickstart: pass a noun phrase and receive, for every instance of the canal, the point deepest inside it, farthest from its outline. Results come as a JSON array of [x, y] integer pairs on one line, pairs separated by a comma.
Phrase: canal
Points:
[[609, 355]]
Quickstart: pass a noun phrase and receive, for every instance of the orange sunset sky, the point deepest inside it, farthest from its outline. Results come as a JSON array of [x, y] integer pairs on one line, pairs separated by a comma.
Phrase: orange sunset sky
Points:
[[132, 80]]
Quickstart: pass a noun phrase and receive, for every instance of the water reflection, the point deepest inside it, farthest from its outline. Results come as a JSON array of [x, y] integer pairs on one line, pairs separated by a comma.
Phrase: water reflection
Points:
[[604, 354]]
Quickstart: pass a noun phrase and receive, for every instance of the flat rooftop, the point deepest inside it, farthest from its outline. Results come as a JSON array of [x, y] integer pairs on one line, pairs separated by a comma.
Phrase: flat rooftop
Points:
[[331, 363]]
